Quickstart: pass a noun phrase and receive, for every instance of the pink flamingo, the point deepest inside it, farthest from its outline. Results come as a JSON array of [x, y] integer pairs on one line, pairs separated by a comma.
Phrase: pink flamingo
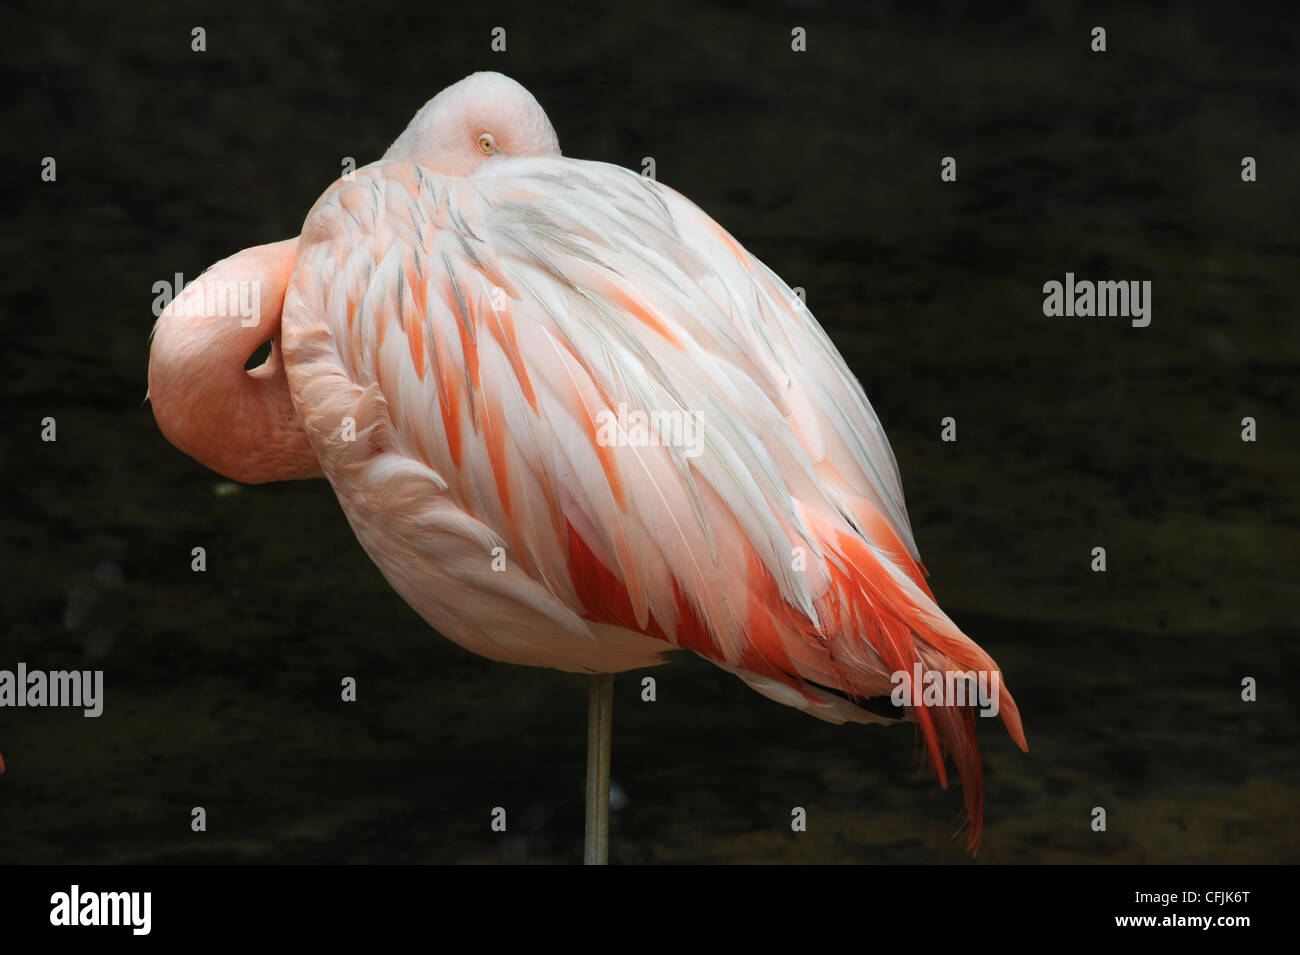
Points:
[[458, 335]]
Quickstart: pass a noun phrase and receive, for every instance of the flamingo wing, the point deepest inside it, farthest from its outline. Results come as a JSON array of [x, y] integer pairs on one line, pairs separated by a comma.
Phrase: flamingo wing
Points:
[[664, 440]]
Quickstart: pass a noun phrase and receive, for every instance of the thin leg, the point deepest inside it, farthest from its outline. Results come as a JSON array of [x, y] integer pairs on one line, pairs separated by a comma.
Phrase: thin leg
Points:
[[600, 736]]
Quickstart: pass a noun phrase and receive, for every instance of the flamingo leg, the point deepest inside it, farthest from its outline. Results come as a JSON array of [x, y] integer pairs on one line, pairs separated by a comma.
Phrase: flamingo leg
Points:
[[600, 735]]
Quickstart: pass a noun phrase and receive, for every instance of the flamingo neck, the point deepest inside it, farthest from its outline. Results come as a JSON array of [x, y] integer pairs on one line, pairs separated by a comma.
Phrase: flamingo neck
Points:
[[239, 423]]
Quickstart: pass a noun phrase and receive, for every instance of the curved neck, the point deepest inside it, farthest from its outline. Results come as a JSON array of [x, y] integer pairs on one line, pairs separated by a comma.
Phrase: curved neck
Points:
[[239, 423]]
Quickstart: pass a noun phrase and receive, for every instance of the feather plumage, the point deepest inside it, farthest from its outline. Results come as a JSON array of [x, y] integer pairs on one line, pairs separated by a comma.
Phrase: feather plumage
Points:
[[478, 329]]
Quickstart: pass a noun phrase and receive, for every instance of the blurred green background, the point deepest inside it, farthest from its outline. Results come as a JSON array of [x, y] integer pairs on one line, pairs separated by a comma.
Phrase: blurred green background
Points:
[[222, 688]]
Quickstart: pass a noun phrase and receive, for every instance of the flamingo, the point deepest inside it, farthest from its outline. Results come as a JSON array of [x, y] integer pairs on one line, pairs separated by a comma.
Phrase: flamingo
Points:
[[462, 338]]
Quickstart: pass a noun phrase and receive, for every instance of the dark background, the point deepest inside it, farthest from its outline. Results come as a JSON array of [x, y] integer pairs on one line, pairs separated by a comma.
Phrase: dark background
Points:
[[222, 688]]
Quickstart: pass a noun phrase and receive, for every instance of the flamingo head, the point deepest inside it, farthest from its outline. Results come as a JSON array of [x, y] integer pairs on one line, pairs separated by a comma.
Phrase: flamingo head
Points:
[[483, 117]]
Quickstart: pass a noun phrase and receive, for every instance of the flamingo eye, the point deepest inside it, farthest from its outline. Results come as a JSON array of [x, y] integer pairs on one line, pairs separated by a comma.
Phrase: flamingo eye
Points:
[[486, 144]]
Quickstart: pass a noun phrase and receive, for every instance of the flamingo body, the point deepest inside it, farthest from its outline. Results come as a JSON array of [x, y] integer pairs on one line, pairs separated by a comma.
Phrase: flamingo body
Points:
[[461, 322]]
